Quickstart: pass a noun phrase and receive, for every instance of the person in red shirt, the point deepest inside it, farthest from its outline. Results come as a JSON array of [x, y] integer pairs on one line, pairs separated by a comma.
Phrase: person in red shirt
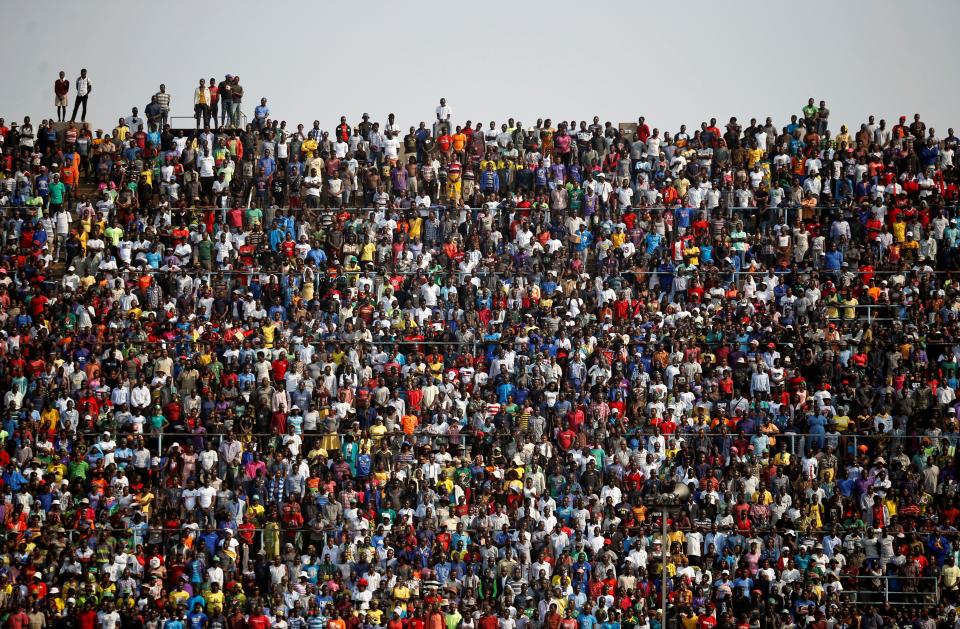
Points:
[[258, 620], [566, 438], [444, 140], [60, 88], [86, 619], [489, 621]]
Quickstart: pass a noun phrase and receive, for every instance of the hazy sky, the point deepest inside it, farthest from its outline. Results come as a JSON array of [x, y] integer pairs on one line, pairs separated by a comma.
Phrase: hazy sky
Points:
[[673, 62]]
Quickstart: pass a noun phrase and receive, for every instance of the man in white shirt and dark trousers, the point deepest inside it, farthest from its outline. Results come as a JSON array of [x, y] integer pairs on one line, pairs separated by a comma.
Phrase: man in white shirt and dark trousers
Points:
[[84, 87], [443, 117]]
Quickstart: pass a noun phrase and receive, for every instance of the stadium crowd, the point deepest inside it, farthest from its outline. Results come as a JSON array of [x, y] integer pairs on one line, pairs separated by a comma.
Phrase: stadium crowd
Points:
[[368, 376]]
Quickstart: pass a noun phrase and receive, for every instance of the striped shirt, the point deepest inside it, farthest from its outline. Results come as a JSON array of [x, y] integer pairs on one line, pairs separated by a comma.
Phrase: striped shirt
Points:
[[163, 99]]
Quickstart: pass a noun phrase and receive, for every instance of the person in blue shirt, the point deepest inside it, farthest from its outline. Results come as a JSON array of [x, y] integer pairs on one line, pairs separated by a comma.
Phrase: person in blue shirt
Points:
[[175, 622], [652, 241], [317, 255], [13, 479], [267, 164], [586, 239], [587, 620], [276, 236], [745, 582], [261, 113], [505, 391], [682, 218], [197, 619], [832, 258]]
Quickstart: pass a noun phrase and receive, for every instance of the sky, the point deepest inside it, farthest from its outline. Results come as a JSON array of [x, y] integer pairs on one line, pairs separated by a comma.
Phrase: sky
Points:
[[672, 62]]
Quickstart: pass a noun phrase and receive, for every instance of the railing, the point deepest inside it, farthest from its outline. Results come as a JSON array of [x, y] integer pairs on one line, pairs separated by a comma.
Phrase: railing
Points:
[[907, 591], [242, 118], [797, 443]]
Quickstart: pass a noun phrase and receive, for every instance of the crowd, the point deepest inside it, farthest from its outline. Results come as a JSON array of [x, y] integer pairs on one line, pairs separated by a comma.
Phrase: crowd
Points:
[[435, 377]]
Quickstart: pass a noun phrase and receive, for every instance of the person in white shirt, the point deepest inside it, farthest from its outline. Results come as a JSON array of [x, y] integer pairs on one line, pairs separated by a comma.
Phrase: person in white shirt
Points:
[[444, 114], [207, 500], [391, 147]]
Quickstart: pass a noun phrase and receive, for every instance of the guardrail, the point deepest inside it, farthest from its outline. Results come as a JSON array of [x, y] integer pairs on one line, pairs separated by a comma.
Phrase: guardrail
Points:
[[242, 119], [905, 591]]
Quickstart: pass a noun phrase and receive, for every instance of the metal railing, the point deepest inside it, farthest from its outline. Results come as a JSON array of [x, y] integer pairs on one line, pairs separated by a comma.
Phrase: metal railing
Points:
[[242, 121], [907, 591]]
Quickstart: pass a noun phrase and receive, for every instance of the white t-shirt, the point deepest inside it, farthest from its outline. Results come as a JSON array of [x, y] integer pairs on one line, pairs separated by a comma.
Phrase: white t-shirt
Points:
[[206, 496], [392, 148], [108, 620], [206, 166], [190, 498], [312, 191]]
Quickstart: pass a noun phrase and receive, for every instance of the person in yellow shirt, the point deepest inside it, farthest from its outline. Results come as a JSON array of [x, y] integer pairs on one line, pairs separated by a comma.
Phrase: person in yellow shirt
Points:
[[676, 536], [367, 250], [179, 596], [214, 597], [58, 470], [255, 512], [50, 419], [146, 503], [899, 231], [401, 594], [762, 496], [121, 131], [783, 457], [377, 431], [832, 300], [849, 302], [269, 333]]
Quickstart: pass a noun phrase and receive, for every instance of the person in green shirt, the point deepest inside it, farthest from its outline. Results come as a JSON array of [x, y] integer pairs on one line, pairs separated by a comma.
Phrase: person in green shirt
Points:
[[205, 251], [78, 468], [254, 216], [57, 191], [113, 233]]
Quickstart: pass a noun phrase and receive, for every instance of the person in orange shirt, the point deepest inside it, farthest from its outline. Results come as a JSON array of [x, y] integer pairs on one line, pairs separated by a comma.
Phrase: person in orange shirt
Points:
[[409, 422], [335, 621], [459, 143], [70, 173]]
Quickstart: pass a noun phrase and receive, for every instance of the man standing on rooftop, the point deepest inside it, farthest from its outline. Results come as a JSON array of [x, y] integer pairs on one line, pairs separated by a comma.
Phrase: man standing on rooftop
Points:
[[84, 87], [443, 116], [163, 99], [60, 88]]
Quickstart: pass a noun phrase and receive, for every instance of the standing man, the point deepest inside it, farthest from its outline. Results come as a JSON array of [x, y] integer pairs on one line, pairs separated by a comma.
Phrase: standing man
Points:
[[201, 104], [261, 114], [60, 88], [163, 99], [236, 97], [154, 113], [214, 99], [443, 117], [84, 87], [134, 121], [225, 92]]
